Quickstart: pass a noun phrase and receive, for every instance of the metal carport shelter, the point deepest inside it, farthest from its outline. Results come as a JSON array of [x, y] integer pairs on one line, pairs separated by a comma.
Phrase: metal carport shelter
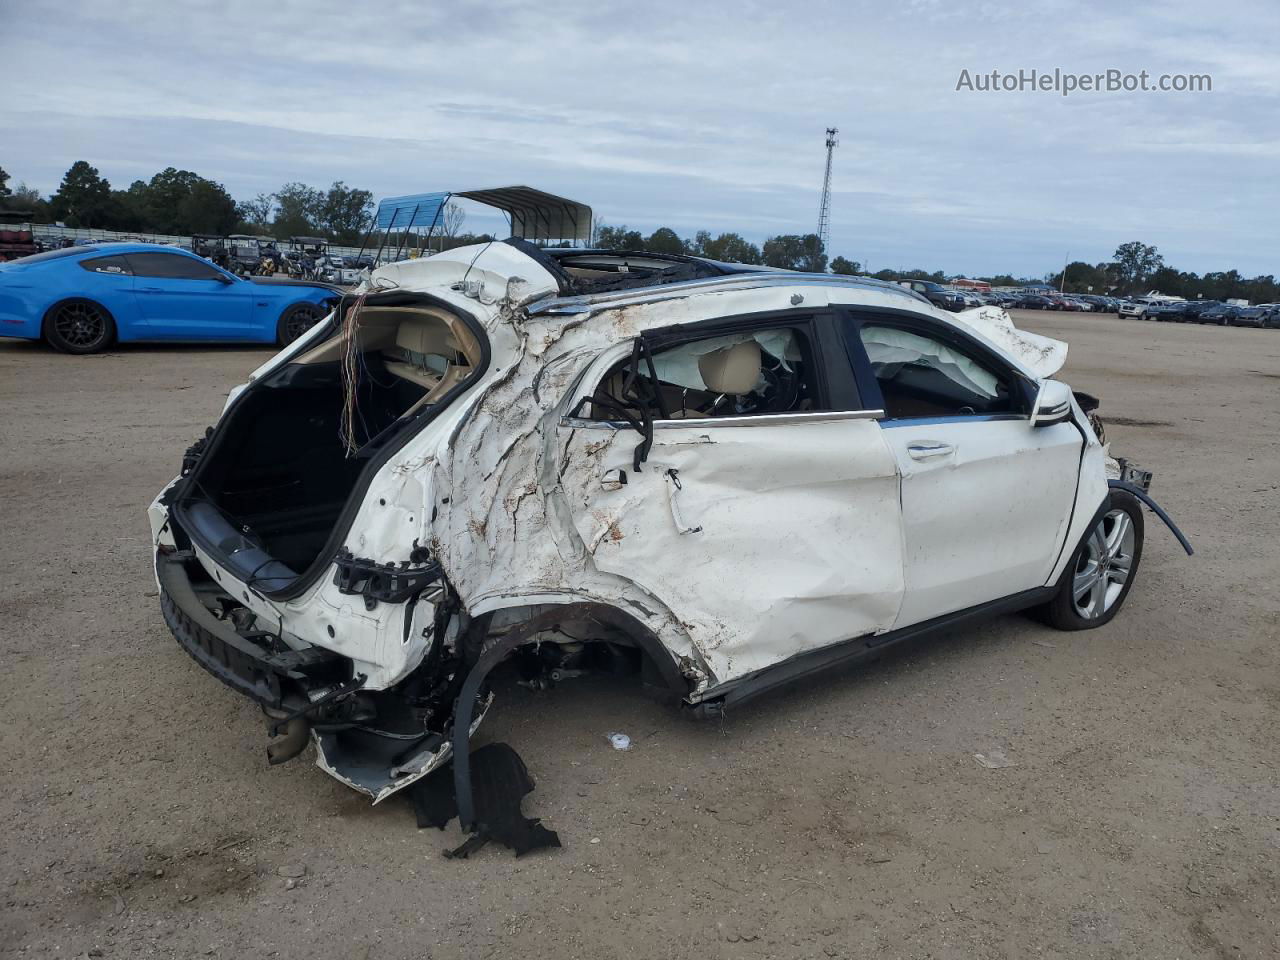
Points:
[[533, 215]]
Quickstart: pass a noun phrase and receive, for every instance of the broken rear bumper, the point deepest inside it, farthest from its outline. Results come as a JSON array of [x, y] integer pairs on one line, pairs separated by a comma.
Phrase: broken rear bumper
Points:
[[366, 739], [277, 680]]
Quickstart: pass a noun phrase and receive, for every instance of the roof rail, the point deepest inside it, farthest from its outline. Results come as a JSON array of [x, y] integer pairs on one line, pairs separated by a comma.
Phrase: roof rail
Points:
[[589, 303]]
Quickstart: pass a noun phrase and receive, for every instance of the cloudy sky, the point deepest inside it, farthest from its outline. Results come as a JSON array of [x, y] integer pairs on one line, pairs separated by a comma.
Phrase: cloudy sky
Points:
[[691, 115]]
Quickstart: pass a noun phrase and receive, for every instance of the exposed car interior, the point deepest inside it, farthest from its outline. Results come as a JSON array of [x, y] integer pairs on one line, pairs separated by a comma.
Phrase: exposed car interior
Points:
[[602, 270], [920, 376], [292, 451], [749, 373]]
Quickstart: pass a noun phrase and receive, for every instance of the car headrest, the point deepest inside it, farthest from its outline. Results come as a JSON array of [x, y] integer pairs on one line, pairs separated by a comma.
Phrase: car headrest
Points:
[[734, 370], [425, 339]]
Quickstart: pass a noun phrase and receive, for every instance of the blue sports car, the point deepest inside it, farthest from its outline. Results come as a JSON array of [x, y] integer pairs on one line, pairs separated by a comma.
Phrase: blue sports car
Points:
[[81, 299]]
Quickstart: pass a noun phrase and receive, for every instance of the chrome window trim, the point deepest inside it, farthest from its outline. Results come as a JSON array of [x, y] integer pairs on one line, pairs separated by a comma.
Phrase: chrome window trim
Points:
[[943, 420], [760, 420]]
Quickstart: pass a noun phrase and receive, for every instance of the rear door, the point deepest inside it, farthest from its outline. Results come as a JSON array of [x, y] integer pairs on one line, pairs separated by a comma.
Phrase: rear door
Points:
[[765, 515], [986, 497], [189, 298]]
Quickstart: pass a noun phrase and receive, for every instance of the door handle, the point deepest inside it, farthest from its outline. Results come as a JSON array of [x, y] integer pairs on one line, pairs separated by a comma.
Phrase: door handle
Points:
[[928, 449]]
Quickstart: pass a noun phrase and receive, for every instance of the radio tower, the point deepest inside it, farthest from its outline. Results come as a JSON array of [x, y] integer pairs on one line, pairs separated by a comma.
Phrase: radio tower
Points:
[[824, 213]]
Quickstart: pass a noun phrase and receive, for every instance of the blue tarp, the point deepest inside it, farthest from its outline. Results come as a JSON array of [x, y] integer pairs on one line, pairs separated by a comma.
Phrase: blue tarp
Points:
[[418, 210]]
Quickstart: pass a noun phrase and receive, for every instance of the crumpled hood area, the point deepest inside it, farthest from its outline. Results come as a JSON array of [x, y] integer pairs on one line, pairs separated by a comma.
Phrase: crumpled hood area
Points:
[[1042, 356]]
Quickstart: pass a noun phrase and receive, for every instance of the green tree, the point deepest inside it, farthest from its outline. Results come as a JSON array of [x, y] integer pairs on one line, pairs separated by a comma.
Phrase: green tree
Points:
[[728, 247], [163, 199], [299, 209], [1135, 262], [256, 213], [795, 252], [664, 240], [207, 208], [83, 198], [4, 183], [25, 198], [846, 268], [344, 213], [618, 238], [1083, 278]]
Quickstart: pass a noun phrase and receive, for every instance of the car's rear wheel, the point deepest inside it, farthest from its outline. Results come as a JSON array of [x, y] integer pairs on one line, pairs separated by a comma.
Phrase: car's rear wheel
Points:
[[1097, 580], [296, 321], [79, 326]]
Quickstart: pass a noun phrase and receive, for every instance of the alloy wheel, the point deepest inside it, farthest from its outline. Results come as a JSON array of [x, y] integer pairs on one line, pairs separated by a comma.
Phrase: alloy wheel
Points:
[[299, 322], [81, 325], [1104, 565]]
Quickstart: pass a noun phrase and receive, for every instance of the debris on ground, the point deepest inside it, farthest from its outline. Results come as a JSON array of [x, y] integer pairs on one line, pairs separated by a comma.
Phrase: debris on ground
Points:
[[500, 781], [620, 741], [993, 759]]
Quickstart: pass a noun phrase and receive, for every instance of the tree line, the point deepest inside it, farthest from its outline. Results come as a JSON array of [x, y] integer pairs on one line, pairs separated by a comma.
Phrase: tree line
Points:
[[181, 203], [1137, 268]]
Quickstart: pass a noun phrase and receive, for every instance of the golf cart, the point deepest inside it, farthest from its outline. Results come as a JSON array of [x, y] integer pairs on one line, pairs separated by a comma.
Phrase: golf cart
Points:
[[303, 254], [211, 246]]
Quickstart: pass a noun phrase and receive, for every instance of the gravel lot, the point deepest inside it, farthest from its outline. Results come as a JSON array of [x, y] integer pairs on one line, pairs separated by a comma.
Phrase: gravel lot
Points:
[[1140, 817]]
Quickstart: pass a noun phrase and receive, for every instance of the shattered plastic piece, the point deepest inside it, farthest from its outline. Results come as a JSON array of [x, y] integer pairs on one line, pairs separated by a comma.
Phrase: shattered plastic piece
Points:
[[620, 741], [993, 760], [501, 782]]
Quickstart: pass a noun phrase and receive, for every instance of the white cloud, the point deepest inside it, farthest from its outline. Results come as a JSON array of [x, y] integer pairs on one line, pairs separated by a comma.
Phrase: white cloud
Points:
[[692, 115]]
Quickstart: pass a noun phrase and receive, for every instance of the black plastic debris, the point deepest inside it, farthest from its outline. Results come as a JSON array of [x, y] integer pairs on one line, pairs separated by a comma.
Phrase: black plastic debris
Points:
[[500, 781]]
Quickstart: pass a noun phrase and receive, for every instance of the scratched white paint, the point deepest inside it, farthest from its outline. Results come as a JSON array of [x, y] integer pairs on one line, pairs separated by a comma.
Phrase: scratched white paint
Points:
[[779, 539]]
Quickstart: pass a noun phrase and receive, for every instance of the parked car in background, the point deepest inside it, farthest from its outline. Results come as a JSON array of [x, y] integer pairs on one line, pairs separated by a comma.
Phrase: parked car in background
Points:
[[1033, 301], [84, 298], [1192, 310], [1220, 314], [1164, 311], [1138, 307], [936, 294], [1248, 317]]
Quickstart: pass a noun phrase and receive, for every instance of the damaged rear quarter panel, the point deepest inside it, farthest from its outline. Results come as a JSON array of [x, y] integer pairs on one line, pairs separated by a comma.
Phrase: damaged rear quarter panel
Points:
[[525, 520]]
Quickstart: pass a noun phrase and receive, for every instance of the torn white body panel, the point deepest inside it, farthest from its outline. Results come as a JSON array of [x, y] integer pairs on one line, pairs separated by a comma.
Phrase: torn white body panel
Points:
[[738, 540]]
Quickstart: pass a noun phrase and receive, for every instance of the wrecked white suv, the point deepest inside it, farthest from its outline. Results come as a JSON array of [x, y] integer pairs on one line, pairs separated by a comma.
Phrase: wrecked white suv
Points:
[[717, 477]]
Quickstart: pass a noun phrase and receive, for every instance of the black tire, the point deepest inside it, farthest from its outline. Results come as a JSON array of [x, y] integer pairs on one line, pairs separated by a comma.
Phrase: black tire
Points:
[[79, 326], [297, 320], [1064, 611]]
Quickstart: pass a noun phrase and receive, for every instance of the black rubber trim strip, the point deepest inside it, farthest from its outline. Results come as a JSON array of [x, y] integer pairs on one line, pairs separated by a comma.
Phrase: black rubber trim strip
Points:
[[549, 620], [1155, 508]]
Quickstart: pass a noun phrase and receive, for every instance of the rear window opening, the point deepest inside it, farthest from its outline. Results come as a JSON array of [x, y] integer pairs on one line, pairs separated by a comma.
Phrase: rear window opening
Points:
[[271, 490]]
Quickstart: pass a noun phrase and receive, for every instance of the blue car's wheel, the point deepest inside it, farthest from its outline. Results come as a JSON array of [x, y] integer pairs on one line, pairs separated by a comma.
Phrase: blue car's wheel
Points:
[[297, 320], [79, 326]]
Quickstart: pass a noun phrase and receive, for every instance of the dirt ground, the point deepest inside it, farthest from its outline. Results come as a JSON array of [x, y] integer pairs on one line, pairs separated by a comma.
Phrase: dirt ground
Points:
[[1140, 816]]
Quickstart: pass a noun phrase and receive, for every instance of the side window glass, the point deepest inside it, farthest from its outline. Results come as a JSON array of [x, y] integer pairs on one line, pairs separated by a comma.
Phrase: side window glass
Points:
[[921, 376], [115, 265], [749, 373], [171, 265]]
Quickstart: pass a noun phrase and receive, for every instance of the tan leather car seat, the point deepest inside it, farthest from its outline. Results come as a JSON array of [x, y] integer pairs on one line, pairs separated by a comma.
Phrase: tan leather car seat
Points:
[[415, 340], [733, 370]]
